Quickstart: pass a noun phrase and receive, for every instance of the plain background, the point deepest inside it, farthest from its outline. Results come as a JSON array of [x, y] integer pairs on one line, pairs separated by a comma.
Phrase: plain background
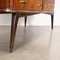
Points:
[[34, 20]]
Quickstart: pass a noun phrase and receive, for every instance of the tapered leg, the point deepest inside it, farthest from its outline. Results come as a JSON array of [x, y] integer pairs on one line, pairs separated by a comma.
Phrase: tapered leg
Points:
[[25, 20], [14, 23], [52, 18], [11, 36]]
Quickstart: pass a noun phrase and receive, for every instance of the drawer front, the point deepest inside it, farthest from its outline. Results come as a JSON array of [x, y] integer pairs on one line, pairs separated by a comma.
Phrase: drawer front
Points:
[[3, 4], [48, 5], [27, 5]]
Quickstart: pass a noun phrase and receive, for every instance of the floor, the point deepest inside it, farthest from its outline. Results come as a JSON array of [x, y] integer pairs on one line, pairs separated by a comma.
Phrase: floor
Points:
[[32, 43]]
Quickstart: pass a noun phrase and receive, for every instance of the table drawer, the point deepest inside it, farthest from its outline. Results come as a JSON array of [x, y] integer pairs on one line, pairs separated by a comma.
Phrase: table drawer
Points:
[[27, 5], [48, 5]]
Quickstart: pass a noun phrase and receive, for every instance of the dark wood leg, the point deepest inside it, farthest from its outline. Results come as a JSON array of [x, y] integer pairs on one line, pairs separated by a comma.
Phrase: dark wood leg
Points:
[[25, 20], [52, 18], [14, 23]]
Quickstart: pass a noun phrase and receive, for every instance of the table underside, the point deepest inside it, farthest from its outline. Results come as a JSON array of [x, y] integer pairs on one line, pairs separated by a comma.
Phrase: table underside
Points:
[[26, 12]]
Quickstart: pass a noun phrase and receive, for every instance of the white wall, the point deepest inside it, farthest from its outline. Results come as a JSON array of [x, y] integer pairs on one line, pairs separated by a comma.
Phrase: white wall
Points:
[[35, 20]]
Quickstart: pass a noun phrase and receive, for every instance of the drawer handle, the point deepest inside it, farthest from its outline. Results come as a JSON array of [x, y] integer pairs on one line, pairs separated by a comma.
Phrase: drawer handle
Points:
[[23, 1], [45, 6], [38, 5]]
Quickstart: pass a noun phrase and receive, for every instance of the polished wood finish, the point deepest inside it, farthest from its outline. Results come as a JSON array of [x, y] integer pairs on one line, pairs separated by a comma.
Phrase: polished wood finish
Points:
[[3, 4], [29, 5], [48, 5]]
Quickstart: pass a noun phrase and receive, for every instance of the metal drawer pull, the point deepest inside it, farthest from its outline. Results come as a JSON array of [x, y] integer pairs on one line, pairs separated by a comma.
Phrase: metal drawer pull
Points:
[[23, 1], [38, 5], [45, 6]]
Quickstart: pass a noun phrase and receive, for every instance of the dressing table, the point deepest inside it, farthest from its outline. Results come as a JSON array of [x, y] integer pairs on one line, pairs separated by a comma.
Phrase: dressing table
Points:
[[24, 8]]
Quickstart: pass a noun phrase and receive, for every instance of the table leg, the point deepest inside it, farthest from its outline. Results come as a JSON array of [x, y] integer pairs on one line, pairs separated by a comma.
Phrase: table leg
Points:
[[52, 18], [25, 20], [14, 23]]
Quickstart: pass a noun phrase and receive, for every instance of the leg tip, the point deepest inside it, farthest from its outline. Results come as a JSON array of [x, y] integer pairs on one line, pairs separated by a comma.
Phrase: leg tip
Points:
[[11, 50]]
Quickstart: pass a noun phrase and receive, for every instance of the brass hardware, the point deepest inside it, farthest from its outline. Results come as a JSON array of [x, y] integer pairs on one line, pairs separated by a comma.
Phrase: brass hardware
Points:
[[45, 6], [38, 5], [23, 1]]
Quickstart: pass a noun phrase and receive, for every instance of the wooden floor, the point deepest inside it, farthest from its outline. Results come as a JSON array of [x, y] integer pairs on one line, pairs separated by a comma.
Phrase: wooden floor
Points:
[[31, 43]]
